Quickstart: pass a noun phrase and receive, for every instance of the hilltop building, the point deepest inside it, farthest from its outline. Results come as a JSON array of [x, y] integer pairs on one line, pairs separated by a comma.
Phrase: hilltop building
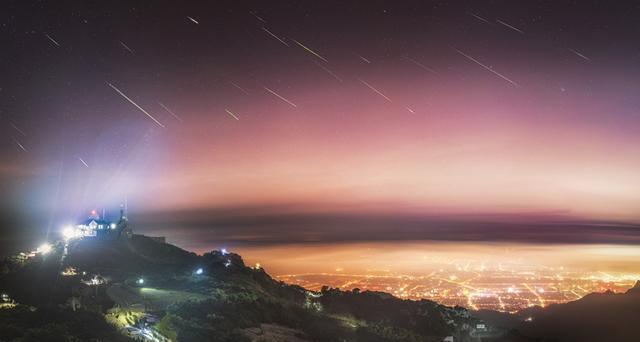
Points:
[[98, 227]]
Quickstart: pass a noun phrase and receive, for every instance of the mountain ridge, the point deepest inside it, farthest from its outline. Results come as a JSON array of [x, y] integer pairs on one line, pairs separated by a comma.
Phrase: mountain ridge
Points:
[[213, 296]]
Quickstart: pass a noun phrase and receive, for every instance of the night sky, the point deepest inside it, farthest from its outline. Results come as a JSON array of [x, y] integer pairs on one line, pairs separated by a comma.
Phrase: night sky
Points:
[[277, 122]]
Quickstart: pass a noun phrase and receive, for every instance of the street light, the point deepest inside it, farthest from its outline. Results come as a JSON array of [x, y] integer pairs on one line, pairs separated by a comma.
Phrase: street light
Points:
[[199, 271], [140, 281], [68, 232], [44, 248]]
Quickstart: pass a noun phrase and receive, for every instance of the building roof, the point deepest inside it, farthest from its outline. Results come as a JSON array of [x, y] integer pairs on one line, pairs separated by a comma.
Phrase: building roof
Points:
[[98, 221]]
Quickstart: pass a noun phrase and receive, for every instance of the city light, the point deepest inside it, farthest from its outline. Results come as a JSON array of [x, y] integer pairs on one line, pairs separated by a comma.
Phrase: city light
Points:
[[95, 281], [44, 248], [6, 302], [199, 271], [68, 232], [224, 251], [69, 271]]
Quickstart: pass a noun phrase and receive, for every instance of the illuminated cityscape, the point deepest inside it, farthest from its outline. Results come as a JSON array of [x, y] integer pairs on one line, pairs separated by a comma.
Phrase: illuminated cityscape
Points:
[[505, 287], [477, 277]]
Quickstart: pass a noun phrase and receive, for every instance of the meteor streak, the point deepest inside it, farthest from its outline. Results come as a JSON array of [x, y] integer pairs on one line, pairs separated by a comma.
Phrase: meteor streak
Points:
[[83, 162], [239, 88], [580, 55], [479, 17], [280, 97], [509, 26], [310, 51], [421, 65], [126, 47], [52, 40], [232, 114], [170, 112], [257, 17], [328, 71], [135, 104], [364, 59], [195, 21], [376, 90], [19, 145], [488, 68], [17, 129], [274, 36]]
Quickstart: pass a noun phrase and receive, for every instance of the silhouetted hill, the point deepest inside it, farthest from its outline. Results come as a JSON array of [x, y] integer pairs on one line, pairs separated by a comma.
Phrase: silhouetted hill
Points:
[[152, 290], [602, 317]]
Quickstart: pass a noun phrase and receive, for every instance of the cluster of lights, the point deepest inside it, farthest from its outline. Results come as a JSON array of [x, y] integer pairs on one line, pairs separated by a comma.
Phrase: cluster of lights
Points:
[[44, 248], [95, 281], [512, 290], [69, 271], [70, 233]]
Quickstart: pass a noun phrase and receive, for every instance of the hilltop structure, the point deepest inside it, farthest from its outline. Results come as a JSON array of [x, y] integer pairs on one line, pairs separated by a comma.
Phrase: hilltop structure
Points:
[[98, 227]]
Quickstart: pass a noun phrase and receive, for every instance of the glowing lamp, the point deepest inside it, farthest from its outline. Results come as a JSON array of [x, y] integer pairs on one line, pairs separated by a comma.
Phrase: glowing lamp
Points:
[[68, 232], [44, 248], [140, 281], [199, 271]]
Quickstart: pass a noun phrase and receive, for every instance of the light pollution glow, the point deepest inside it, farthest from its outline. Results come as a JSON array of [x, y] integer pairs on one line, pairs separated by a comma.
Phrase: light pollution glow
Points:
[[503, 277], [418, 258], [469, 150]]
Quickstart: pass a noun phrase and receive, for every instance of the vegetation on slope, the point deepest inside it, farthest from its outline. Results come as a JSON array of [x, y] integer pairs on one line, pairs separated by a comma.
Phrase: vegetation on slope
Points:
[[227, 301]]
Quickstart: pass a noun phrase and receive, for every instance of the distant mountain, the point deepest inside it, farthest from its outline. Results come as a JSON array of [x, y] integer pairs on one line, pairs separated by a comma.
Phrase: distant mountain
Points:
[[596, 317], [141, 288]]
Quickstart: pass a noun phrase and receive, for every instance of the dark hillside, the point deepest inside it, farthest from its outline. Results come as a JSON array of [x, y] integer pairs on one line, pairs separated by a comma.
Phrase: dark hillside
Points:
[[602, 317], [199, 298]]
